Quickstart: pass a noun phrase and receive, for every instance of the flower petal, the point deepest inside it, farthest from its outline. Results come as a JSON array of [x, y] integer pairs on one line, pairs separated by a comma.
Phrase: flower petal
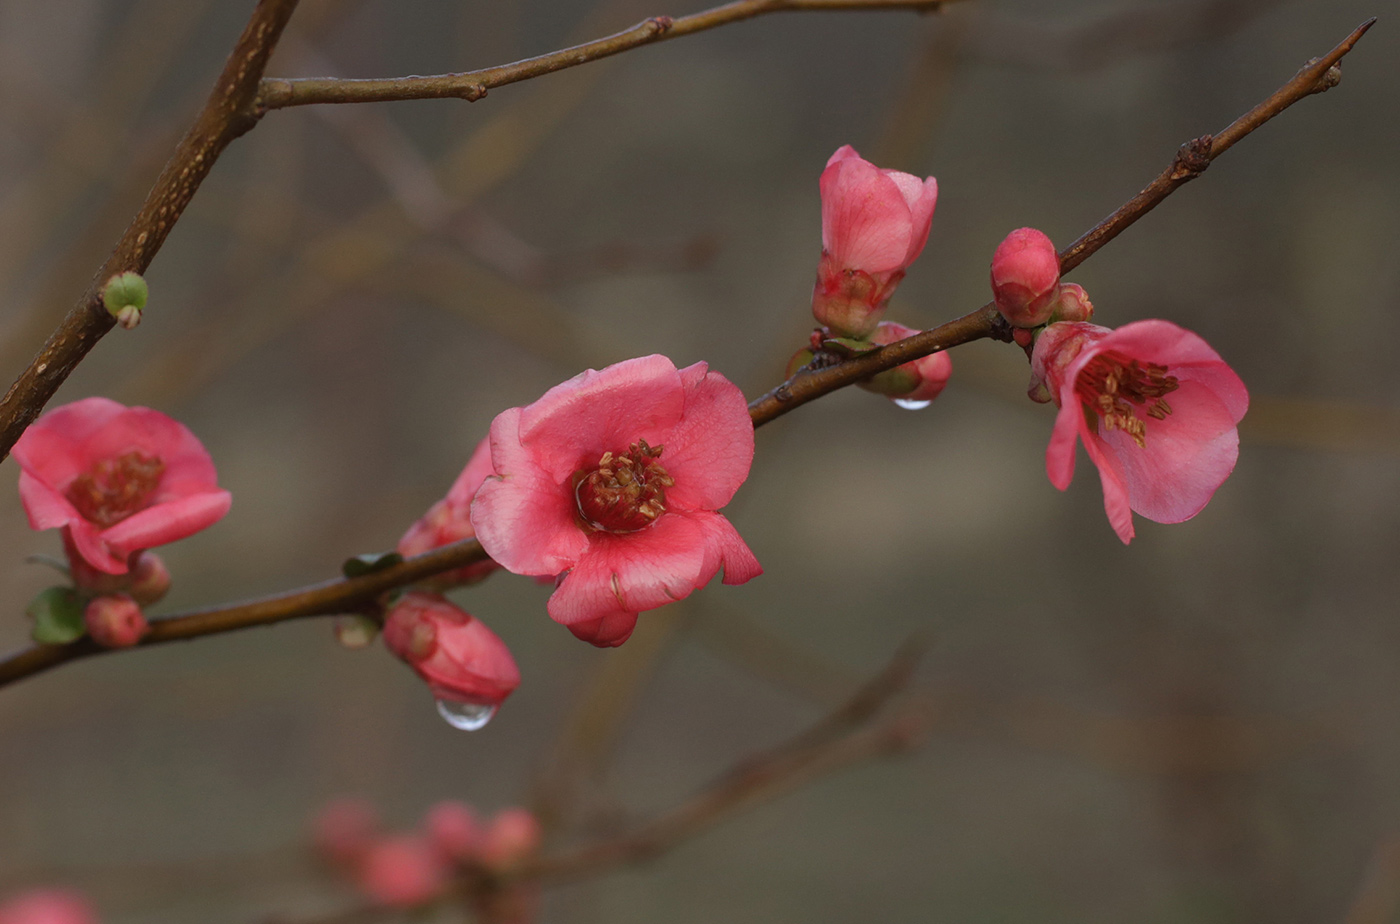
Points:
[[1116, 501], [46, 508], [574, 423], [866, 222], [524, 518], [1059, 455], [635, 571], [710, 451], [724, 547], [167, 522]]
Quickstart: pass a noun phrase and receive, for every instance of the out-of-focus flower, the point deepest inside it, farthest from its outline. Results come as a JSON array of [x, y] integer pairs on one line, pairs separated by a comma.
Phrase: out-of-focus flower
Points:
[[1025, 277], [47, 906], [460, 659], [1156, 408], [874, 223], [453, 829], [449, 520], [612, 481], [344, 830], [402, 872], [512, 837], [921, 379], [115, 621], [116, 479]]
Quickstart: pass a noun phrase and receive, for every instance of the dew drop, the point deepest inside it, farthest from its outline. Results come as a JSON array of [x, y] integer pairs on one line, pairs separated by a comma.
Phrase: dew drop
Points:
[[911, 405], [465, 716]]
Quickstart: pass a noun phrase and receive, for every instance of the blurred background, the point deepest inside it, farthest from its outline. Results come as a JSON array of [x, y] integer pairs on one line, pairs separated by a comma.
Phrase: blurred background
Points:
[[1200, 727]]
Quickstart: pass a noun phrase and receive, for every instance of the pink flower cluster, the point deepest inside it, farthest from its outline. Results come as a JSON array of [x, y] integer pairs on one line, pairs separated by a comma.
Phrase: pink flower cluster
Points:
[[116, 481], [416, 868]]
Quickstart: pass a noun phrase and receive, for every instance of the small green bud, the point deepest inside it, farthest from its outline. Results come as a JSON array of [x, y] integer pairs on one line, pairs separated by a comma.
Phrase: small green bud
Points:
[[125, 296], [58, 616]]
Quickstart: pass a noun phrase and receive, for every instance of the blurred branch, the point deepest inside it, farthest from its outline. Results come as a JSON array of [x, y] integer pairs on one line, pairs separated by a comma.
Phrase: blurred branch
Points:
[[1191, 160], [279, 93], [846, 736], [223, 118]]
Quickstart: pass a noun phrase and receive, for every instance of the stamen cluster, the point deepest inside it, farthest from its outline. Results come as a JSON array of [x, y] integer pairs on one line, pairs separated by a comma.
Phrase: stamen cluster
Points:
[[113, 489], [1111, 384], [625, 492]]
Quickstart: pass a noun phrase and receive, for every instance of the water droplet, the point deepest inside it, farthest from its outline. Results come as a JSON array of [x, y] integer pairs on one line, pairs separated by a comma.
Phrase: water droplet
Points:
[[912, 405], [465, 716]]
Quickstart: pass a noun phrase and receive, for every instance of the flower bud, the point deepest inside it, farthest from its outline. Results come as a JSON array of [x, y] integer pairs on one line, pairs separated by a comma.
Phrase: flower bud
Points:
[[920, 379], [47, 906], [150, 580], [402, 872], [344, 830], [454, 831], [513, 837], [354, 630], [115, 621], [125, 292], [1073, 304], [1025, 277], [460, 659]]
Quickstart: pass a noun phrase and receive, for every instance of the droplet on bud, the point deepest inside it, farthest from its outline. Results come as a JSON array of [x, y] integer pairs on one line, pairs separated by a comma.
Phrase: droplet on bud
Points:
[[465, 716], [911, 405]]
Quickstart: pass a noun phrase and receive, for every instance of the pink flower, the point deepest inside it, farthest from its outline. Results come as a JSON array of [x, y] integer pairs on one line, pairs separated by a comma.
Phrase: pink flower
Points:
[[611, 481], [874, 223], [1026, 277], [47, 906], [920, 379], [513, 836], [116, 479], [454, 831], [460, 659], [1157, 410], [115, 621], [402, 872], [450, 520]]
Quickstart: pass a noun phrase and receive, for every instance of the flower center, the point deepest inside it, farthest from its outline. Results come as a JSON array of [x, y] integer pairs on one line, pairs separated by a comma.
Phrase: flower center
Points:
[[1111, 384], [114, 489], [625, 492]]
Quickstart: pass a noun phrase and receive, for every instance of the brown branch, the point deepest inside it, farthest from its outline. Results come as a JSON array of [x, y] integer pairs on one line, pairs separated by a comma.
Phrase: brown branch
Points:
[[328, 598], [1190, 162], [225, 116], [844, 737], [279, 93], [347, 594]]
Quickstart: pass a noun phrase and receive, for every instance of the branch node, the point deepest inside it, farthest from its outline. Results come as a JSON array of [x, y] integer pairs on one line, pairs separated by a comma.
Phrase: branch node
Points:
[[1329, 79], [1192, 158], [660, 25]]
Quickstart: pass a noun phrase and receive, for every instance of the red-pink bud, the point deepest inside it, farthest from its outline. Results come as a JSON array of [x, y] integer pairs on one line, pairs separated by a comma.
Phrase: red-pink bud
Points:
[[344, 830], [150, 580], [1073, 304], [1025, 277], [47, 906], [914, 383], [513, 836], [402, 872], [461, 660], [449, 520], [115, 621], [453, 829]]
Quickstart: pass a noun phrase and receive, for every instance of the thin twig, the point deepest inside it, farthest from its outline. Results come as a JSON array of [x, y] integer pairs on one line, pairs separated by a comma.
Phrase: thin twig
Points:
[[225, 116], [348, 594], [279, 93], [1190, 162], [846, 736]]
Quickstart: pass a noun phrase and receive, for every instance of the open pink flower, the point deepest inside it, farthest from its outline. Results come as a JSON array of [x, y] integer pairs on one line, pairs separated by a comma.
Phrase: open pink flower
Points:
[[116, 479], [449, 520], [1157, 410], [460, 659], [611, 481], [874, 223]]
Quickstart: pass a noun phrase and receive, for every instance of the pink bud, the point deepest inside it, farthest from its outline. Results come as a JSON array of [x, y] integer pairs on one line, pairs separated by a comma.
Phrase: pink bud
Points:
[[874, 224], [1073, 304], [449, 520], [513, 836], [454, 830], [115, 621], [47, 906], [344, 830], [461, 660], [921, 379], [1025, 277], [150, 580], [402, 872]]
